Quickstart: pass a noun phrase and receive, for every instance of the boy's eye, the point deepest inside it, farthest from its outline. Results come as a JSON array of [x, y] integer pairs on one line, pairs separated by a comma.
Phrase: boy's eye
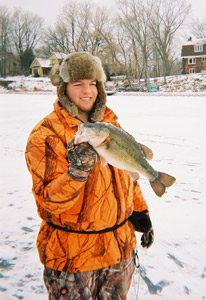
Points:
[[79, 84]]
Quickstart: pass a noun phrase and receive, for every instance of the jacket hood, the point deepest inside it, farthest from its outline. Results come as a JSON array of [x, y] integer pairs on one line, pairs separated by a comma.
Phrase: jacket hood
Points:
[[108, 117]]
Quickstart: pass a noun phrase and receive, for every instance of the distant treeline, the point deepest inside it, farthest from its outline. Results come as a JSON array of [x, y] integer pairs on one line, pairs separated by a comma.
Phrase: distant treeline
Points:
[[138, 39]]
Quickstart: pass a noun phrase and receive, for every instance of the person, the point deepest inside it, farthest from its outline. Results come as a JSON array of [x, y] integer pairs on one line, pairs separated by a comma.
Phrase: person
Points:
[[89, 212]]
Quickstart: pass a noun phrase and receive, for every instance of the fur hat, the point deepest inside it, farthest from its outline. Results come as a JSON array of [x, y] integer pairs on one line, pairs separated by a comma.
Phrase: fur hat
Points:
[[78, 66]]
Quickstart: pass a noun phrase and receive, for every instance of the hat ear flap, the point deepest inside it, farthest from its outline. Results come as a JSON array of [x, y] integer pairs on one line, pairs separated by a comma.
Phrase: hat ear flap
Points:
[[97, 113], [67, 104], [55, 76]]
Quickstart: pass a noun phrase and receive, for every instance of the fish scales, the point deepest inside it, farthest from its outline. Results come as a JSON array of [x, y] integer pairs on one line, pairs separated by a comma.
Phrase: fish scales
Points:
[[122, 145], [119, 149]]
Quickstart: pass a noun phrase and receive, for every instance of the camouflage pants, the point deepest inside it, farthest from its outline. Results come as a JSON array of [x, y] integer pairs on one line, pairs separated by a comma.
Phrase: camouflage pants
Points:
[[110, 283]]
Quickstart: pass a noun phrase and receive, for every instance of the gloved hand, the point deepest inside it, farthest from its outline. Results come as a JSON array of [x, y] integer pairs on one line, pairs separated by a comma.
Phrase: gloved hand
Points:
[[141, 222], [147, 238], [82, 159]]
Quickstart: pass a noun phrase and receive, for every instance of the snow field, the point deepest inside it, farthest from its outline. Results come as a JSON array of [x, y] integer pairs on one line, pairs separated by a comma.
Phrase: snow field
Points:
[[174, 268]]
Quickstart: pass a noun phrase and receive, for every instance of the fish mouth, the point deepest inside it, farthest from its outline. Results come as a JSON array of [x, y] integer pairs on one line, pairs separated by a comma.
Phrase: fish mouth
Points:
[[78, 134], [80, 127], [83, 133]]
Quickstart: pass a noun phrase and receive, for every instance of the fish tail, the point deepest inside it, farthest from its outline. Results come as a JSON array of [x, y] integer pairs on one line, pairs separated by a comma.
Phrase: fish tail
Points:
[[161, 182]]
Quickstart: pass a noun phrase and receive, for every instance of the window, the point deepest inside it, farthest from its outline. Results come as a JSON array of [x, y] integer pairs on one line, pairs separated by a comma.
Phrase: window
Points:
[[203, 58], [191, 61], [198, 48], [192, 70], [45, 71]]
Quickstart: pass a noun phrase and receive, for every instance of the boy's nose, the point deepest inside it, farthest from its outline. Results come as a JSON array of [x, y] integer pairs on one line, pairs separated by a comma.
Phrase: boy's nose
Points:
[[86, 88]]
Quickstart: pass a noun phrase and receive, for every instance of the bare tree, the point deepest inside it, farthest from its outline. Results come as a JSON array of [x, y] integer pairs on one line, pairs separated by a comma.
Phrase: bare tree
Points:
[[83, 27], [134, 17], [105, 44], [58, 39], [76, 16], [27, 30], [166, 18], [74, 31], [4, 39], [139, 41], [151, 26], [100, 22], [199, 29]]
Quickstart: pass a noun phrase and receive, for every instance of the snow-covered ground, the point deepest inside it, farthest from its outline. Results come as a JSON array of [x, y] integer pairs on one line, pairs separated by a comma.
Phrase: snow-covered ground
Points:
[[188, 84], [174, 267]]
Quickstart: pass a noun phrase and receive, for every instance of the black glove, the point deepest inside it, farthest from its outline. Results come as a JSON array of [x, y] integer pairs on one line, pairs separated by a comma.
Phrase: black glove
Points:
[[147, 238], [140, 220], [82, 159]]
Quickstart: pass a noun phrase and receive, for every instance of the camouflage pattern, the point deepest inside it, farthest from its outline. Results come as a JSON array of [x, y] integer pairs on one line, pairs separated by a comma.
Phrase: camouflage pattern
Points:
[[104, 200], [110, 283]]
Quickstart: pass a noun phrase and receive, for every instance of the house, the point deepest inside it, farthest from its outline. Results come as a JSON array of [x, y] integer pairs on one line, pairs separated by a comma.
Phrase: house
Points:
[[41, 66], [56, 57], [194, 56]]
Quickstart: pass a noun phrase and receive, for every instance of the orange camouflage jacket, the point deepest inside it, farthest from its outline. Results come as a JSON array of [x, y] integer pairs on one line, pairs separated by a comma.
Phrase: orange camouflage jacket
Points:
[[104, 200]]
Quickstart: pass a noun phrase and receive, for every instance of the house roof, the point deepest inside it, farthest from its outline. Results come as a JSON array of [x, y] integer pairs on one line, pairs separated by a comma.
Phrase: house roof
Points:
[[44, 63], [189, 51], [195, 42]]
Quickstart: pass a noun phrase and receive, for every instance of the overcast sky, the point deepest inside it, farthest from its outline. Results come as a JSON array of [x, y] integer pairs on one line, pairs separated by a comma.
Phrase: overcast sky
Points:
[[49, 9]]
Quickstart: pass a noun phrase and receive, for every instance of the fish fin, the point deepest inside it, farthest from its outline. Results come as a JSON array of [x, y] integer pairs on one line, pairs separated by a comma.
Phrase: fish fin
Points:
[[105, 141], [161, 182], [103, 161], [158, 187], [134, 175], [166, 179], [147, 151]]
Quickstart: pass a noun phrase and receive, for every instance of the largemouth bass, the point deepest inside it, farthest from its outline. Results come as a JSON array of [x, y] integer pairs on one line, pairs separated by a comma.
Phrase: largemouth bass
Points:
[[121, 150]]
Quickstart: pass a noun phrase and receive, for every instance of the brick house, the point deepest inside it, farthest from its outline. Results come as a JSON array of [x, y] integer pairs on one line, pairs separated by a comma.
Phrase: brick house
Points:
[[41, 67], [194, 56]]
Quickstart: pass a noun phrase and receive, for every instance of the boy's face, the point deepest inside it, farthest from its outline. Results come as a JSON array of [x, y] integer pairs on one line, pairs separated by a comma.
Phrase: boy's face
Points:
[[83, 93]]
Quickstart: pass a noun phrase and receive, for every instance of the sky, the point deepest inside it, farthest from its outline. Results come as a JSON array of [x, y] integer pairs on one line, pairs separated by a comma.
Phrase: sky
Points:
[[50, 10]]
